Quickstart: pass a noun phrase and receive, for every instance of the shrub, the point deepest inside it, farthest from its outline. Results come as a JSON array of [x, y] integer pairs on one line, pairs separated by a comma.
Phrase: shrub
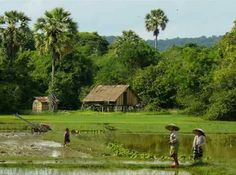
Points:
[[223, 106]]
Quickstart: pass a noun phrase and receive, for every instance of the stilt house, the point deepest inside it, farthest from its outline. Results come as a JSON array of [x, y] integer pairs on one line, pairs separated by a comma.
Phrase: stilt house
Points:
[[111, 98]]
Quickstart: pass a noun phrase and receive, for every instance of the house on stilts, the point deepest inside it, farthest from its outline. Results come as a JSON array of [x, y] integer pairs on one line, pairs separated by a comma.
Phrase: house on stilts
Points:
[[111, 98]]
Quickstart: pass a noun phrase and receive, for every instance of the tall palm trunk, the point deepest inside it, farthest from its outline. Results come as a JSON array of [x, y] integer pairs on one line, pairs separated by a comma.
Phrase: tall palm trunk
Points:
[[155, 42], [155, 34], [53, 99], [53, 71]]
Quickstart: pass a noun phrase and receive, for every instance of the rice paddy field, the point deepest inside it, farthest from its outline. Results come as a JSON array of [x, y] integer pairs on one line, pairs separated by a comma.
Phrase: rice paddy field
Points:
[[113, 143]]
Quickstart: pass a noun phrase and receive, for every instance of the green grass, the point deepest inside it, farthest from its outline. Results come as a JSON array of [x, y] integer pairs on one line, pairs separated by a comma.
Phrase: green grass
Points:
[[124, 122]]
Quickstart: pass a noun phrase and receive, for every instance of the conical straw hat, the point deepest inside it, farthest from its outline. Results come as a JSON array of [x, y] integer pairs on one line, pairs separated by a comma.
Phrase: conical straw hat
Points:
[[199, 130], [172, 127]]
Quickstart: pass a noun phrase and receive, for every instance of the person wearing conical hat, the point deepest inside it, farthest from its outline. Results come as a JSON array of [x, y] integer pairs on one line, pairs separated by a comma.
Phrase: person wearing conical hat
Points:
[[198, 143], [174, 143]]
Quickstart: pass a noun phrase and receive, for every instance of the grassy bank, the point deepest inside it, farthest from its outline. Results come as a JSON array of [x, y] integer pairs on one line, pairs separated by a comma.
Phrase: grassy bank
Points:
[[124, 122]]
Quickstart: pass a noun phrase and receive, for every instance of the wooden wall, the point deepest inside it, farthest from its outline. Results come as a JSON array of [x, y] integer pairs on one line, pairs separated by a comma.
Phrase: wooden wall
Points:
[[132, 99], [39, 106], [45, 106]]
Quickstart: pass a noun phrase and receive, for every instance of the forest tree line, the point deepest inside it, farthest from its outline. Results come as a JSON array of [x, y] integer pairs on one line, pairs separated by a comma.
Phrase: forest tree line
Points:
[[196, 79], [164, 44]]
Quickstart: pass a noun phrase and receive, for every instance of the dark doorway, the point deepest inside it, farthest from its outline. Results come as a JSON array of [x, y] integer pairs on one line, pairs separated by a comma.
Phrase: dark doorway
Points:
[[125, 101]]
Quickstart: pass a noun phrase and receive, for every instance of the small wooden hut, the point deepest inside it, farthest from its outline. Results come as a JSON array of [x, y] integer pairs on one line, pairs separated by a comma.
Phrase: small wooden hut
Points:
[[111, 98], [40, 104]]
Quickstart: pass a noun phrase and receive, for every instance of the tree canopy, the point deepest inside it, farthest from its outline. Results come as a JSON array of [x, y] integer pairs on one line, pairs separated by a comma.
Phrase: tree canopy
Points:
[[155, 21], [55, 33]]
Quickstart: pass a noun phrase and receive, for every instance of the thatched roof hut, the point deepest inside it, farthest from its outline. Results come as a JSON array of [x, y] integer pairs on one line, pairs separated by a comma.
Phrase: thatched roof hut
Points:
[[112, 97]]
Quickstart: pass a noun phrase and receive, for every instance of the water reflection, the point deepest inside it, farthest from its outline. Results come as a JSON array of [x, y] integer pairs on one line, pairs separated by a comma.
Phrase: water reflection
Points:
[[46, 171]]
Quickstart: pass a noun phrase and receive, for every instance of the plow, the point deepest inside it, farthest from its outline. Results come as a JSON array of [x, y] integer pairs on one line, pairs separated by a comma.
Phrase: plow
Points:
[[35, 127]]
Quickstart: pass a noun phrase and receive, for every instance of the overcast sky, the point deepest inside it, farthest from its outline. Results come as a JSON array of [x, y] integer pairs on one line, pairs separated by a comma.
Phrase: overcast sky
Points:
[[187, 18]]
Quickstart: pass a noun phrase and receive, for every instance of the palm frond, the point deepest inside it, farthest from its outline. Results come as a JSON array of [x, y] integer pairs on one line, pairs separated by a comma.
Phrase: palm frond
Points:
[[154, 20], [58, 31]]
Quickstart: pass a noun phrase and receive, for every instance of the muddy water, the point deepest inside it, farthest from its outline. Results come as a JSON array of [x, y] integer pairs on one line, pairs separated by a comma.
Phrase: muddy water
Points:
[[218, 147], [20, 144], [157, 144], [20, 171], [26, 144]]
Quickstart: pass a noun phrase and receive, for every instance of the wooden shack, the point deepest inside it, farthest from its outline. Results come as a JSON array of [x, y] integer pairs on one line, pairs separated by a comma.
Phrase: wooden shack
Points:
[[111, 98], [40, 104]]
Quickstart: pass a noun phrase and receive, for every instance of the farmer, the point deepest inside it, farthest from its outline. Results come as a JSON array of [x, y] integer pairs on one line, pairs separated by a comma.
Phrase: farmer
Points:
[[198, 142], [67, 137], [174, 143]]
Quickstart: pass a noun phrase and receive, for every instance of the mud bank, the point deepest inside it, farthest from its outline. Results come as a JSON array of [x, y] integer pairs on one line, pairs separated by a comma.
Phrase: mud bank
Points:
[[20, 144], [45, 171], [23, 144]]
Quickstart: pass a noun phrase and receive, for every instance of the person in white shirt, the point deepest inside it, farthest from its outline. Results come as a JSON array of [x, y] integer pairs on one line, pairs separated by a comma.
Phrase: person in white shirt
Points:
[[198, 143], [174, 143]]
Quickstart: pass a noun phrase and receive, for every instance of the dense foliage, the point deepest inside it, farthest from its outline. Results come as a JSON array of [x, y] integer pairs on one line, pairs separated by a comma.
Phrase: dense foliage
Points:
[[223, 99], [198, 80], [125, 56], [55, 34]]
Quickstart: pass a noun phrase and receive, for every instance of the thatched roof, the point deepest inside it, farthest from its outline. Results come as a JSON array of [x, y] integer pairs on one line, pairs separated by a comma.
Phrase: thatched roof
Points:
[[42, 99], [105, 93]]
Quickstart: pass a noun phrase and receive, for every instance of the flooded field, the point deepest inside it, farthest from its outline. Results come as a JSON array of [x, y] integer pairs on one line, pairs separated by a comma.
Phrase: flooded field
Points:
[[25, 144], [20, 145], [20, 171], [157, 144]]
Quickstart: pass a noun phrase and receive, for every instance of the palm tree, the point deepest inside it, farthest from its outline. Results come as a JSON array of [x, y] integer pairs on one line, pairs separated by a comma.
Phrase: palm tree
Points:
[[127, 37], [13, 32], [154, 21], [55, 33]]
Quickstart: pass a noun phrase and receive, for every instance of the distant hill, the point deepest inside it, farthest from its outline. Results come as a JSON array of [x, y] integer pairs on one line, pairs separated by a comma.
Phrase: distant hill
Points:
[[110, 39], [167, 43]]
